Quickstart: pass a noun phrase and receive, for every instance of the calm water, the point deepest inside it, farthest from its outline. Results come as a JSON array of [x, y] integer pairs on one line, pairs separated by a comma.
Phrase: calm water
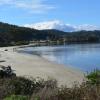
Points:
[[85, 57]]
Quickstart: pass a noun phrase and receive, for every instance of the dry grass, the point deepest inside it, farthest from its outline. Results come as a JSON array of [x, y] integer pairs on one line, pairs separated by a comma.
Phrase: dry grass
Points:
[[84, 92]]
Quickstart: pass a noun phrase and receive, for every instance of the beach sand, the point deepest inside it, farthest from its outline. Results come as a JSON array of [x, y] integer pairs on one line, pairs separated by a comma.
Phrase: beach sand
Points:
[[36, 66]]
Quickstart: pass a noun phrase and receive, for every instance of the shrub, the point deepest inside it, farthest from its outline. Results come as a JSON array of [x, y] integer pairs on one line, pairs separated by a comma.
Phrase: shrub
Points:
[[17, 86], [22, 86], [6, 72], [94, 77]]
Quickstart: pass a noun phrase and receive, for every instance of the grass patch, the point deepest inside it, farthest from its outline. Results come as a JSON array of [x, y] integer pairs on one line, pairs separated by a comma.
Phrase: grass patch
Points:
[[16, 97]]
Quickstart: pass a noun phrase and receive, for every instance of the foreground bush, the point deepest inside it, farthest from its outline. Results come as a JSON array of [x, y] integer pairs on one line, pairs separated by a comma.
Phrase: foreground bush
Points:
[[32, 89]]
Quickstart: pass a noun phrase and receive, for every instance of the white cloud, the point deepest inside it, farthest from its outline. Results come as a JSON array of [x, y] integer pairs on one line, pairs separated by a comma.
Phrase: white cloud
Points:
[[51, 25], [88, 27], [31, 5], [55, 24]]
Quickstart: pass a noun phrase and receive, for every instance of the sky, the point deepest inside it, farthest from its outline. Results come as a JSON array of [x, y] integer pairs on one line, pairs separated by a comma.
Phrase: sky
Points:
[[74, 12]]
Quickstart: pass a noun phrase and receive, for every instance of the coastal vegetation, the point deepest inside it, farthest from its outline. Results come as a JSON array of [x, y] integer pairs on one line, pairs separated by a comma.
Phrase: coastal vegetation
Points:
[[15, 35], [21, 88]]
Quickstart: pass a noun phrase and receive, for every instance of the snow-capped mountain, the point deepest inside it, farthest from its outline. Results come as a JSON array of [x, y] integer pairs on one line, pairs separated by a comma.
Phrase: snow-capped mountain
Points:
[[58, 25]]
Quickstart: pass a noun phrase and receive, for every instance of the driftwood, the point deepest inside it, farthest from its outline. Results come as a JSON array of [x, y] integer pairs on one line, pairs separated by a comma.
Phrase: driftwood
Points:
[[2, 61]]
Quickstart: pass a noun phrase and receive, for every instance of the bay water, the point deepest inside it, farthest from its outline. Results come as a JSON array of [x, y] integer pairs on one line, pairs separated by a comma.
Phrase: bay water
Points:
[[85, 57]]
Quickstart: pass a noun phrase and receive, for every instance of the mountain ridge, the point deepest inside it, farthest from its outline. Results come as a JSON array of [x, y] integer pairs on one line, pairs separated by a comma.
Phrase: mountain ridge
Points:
[[15, 35]]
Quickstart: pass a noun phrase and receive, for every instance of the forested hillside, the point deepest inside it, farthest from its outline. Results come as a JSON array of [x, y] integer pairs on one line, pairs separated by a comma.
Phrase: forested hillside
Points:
[[13, 35]]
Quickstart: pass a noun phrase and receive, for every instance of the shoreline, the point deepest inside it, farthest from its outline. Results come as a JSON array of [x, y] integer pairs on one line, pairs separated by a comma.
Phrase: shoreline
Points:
[[46, 59], [35, 66]]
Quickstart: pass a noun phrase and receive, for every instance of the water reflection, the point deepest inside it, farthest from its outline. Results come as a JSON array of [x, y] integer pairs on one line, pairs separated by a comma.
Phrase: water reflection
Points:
[[85, 57]]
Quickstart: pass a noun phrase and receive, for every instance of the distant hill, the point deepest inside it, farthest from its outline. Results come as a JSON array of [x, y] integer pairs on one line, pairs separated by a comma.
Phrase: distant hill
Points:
[[13, 35]]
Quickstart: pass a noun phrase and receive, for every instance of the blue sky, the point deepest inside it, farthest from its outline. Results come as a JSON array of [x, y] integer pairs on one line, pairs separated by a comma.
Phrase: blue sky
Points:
[[75, 12]]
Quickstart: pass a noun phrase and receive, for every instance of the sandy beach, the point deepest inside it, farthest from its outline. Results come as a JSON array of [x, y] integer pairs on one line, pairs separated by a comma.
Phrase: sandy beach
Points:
[[35, 66]]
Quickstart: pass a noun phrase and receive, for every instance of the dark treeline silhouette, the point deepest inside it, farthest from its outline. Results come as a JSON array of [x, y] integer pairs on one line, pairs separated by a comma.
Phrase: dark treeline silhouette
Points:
[[14, 35]]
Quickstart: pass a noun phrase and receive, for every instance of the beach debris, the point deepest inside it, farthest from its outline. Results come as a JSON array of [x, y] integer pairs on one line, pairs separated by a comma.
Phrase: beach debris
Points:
[[6, 49]]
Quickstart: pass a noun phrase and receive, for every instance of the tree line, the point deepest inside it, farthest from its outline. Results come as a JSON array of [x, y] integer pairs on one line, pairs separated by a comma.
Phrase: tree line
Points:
[[15, 35]]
